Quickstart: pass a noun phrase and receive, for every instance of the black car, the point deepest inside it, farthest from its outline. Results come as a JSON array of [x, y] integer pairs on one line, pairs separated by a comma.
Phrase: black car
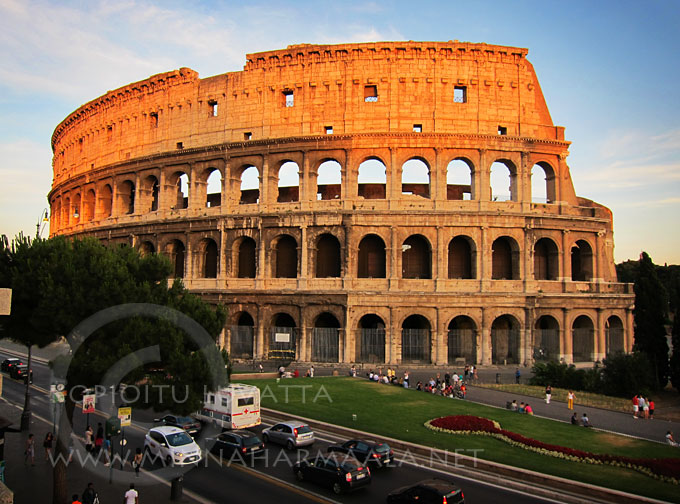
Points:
[[432, 491], [338, 471], [7, 364], [190, 425], [20, 372], [368, 452], [243, 442]]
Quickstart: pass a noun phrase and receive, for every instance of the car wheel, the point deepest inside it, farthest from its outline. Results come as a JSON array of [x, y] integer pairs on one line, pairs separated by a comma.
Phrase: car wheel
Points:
[[265, 438], [290, 445], [299, 475], [337, 488]]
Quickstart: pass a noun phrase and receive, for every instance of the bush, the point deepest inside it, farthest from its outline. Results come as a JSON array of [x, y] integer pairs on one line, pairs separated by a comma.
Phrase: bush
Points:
[[625, 375], [566, 376]]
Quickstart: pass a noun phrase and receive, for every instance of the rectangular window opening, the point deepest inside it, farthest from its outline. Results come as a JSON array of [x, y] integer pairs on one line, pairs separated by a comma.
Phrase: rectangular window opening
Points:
[[180, 145], [502, 130], [460, 94], [109, 133], [290, 99], [154, 119], [213, 108], [329, 130], [370, 93], [417, 128], [247, 135]]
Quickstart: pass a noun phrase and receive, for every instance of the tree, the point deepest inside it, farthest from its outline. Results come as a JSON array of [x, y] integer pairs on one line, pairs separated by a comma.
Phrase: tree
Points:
[[650, 316], [674, 370]]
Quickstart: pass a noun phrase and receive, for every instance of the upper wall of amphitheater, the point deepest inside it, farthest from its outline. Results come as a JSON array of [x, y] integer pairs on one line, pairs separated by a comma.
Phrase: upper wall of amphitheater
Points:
[[306, 90]]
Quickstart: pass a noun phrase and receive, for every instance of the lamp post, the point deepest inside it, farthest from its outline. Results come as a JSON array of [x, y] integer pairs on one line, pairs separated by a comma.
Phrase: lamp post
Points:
[[42, 221]]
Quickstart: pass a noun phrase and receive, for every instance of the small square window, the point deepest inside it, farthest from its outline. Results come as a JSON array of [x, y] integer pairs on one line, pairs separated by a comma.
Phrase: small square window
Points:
[[460, 94], [502, 130], [370, 93], [247, 135], [180, 145], [329, 130], [290, 100], [417, 128], [213, 108]]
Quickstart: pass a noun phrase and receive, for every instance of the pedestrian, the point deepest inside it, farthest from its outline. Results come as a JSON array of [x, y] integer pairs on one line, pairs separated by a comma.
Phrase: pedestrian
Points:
[[548, 394], [517, 375], [474, 373], [528, 409], [137, 461], [353, 371], [463, 390], [635, 406], [651, 409], [75, 500], [641, 406], [466, 371], [670, 440], [29, 452], [311, 371], [405, 379], [90, 495], [570, 399], [47, 444], [131, 496], [260, 367], [585, 421], [107, 450], [574, 420], [645, 409], [447, 378], [282, 370], [89, 435]]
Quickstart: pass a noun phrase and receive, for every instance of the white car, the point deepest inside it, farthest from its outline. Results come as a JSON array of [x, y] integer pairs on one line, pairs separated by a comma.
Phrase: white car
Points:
[[172, 445]]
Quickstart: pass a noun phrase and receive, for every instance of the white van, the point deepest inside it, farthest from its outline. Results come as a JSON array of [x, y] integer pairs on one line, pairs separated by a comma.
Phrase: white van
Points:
[[236, 406]]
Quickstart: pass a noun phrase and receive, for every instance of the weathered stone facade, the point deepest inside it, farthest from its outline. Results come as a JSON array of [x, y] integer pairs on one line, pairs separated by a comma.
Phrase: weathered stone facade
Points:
[[372, 231]]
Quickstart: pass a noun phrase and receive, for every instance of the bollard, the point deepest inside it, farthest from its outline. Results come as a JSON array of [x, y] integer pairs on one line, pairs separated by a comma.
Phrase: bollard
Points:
[[498, 378], [176, 488]]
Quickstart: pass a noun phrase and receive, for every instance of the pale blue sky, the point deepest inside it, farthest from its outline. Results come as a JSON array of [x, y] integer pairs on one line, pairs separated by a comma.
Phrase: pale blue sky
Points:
[[610, 72]]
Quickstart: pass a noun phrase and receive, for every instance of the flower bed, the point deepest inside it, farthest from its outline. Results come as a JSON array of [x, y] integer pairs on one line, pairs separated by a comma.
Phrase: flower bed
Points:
[[667, 470]]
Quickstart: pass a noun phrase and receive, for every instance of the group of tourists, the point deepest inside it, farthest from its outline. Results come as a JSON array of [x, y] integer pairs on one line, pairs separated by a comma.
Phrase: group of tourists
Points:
[[520, 408], [585, 421], [643, 407]]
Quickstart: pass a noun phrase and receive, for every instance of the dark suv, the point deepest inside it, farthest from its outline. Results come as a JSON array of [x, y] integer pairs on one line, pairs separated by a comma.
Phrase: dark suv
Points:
[[432, 491], [8, 364], [190, 425], [338, 471], [368, 452], [20, 372], [242, 442]]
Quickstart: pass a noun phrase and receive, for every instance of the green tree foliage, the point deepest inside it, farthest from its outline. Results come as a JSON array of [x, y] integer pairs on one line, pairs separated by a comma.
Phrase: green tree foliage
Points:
[[622, 376], [566, 376], [651, 303], [675, 358]]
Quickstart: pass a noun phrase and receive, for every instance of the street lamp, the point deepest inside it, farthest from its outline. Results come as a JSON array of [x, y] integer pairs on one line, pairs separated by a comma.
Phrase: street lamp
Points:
[[42, 222]]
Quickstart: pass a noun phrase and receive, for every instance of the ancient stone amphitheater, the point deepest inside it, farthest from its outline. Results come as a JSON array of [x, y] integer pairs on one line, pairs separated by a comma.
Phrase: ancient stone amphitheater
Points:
[[395, 202]]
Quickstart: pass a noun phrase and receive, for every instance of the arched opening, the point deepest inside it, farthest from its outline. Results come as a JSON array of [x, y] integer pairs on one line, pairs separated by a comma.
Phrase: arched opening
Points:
[[175, 252], [372, 179], [66, 212], [328, 261], [415, 340], [326, 338], [286, 257], [462, 340], [289, 182], [283, 336], [210, 259], [247, 258], [181, 182], [583, 339], [105, 202], [462, 258], [614, 336], [459, 180], [546, 260], [504, 259], [213, 197], [371, 339], [250, 186], [149, 194], [329, 180], [581, 262], [88, 205], [416, 258], [505, 340], [126, 198], [503, 177], [542, 183], [242, 337], [146, 248], [75, 209], [415, 178], [546, 339], [371, 262]]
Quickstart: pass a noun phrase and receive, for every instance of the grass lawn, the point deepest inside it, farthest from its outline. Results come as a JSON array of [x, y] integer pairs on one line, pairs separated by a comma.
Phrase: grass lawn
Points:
[[399, 413]]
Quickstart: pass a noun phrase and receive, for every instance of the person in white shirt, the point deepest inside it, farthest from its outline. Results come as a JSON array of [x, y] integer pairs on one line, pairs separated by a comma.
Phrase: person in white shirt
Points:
[[131, 496]]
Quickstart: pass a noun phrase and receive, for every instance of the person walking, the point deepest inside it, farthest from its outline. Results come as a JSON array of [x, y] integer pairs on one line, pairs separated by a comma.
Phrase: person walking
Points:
[[131, 496], [90, 495], [645, 409], [29, 452], [89, 436], [651, 409], [570, 399], [548, 394], [47, 444], [137, 461], [636, 402], [517, 376]]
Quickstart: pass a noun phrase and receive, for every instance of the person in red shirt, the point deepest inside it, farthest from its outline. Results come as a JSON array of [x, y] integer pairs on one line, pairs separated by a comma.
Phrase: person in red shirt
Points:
[[635, 406], [651, 409]]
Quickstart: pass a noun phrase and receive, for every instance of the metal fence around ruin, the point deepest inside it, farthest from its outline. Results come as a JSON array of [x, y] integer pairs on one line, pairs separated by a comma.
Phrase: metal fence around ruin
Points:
[[282, 343], [504, 346], [546, 345], [614, 340], [462, 344], [371, 345], [583, 344], [325, 344], [415, 346], [241, 345]]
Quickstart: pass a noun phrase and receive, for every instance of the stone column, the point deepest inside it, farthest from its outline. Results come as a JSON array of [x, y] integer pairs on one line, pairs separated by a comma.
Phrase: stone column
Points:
[[259, 350], [262, 266], [304, 259], [394, 249], [567, 348], [566, 257], [629, 332], [599, 340], [486, 350], [599, 253], [527, 254], [439, 273], [222, 273], [188, 258], [484, 260], [138, 195], [483, 178]]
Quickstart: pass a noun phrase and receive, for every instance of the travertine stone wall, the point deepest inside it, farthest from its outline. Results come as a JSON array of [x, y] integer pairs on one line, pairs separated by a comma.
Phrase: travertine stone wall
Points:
[[455, 257]]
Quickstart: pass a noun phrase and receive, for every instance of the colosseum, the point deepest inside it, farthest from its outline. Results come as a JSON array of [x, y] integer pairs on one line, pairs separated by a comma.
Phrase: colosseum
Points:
[[403, 203]]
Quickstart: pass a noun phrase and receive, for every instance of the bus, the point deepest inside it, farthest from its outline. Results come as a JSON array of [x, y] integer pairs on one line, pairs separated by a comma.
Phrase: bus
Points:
[[236, 406]]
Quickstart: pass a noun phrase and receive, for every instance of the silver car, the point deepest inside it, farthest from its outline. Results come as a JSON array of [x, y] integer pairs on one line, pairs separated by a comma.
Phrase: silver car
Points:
[[291, 434]]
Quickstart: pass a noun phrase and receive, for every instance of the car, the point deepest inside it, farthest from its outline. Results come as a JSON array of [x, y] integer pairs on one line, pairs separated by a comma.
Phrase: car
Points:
[[172, 445], [430, 491], [368, 452], [190, 425], [242, 442], [20, 372], [338, 471], [7, 364], [291, 434]]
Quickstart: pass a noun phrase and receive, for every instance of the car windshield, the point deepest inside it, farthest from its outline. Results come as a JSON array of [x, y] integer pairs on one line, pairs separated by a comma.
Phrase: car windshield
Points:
[[350, 465], [179, 439], [381, 448], [303, 429], [251, 441]]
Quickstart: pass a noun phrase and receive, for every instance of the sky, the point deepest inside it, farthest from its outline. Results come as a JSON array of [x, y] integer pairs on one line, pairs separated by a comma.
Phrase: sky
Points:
[[609, 70]]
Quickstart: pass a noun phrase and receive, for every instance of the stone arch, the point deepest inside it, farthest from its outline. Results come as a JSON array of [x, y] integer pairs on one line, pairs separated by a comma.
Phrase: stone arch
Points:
[[55, 214], [503, 180], [371, 261], [326, 338], [66, 212], [329, 180], [289, 182], [415, 177], [614, 340], [242, 337], [213, 196], [209, 258], [542, 183], [125, 194], [250, 185], [180, 181], [459, 179], [582, 262], [462, 340], [149, 193], [89, 205], [285, 257], [328, 257], [416, 257], [546, 345], [105, 201], [546, 260], [504, 259], [462, 257], [176, 252], [505, 340], [146, 248], [415, 340], [245, 257], [372, 178], [583, 339], [370, 339]]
